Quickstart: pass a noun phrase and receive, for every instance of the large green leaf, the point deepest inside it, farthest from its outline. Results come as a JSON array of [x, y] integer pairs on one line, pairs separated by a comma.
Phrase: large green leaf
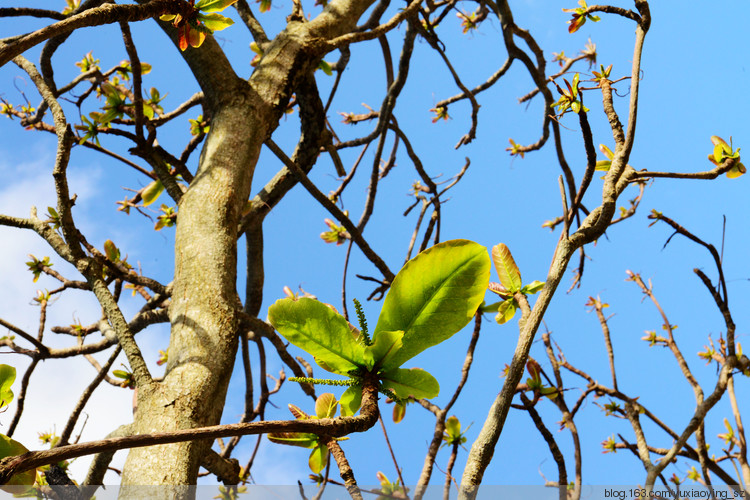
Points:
[[319, 330], [385, 345], [9, 448], [7, 377], [434, 296], [351, 400], [414, 382], [507, 270]]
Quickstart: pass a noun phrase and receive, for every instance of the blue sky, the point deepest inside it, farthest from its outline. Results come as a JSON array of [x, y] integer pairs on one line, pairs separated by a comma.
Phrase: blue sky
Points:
[[693, 86]]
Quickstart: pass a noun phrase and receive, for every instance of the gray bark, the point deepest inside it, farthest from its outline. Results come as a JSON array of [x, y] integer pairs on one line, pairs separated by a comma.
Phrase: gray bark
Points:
[[205, 304]]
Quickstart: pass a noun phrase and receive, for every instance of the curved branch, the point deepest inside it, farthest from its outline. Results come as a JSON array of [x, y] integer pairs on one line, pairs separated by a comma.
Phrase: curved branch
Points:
[[106, 14], [322, 427]]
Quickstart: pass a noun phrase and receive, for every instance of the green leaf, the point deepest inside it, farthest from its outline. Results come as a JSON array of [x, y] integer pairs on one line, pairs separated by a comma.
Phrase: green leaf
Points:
[[399, 410], [111, 92], [319, 330], [111, 250], [603, 165], [550, 392], [148, 111], [318, 459], [434, 296], [7, 377], [413, 382], [323, 65], [737, 170], [215, 22], [385, 345], [532, 287], [351, 401], [9, 448], [506, 311], [719, 151], [152, 192], [491, 307], [301, 439], [326, 405], [507, 270], [213, 5], [453, 426]]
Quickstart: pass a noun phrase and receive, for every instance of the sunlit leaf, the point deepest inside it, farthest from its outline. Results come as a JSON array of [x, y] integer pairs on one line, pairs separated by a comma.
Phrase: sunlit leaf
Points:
[[318, 459], [737, 170], [351, 401], [603, 165], [213, 5], [326, 405], [215, 22], [7, 377], [148, 111], [152, 192], [323, 65], [384, 346], [111, 250], [413, 382], [488, 308], [532, 287], [453, 426], [9, 448], [301, 439], [195, 37], [719, 151], [320, 331], [399, 411], [506, 311], [507, 270], [434, 296]]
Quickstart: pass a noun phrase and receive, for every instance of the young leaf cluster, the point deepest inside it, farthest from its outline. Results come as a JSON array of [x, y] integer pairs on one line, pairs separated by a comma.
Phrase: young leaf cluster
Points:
[[570, 98], [325, 407], [510, 283], [431, 298], [580, 15], [723, 151], [203, 19]]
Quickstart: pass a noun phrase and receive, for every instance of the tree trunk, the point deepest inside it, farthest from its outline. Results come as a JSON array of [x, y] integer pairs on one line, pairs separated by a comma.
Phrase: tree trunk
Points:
[[203, 311]]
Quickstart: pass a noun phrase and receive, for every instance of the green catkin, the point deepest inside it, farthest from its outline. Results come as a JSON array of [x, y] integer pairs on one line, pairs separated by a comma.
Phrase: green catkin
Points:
[[362, 322], [319, 381]]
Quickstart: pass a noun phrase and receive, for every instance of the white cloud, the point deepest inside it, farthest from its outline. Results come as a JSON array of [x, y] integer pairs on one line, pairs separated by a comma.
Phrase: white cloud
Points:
[[56, 384]]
